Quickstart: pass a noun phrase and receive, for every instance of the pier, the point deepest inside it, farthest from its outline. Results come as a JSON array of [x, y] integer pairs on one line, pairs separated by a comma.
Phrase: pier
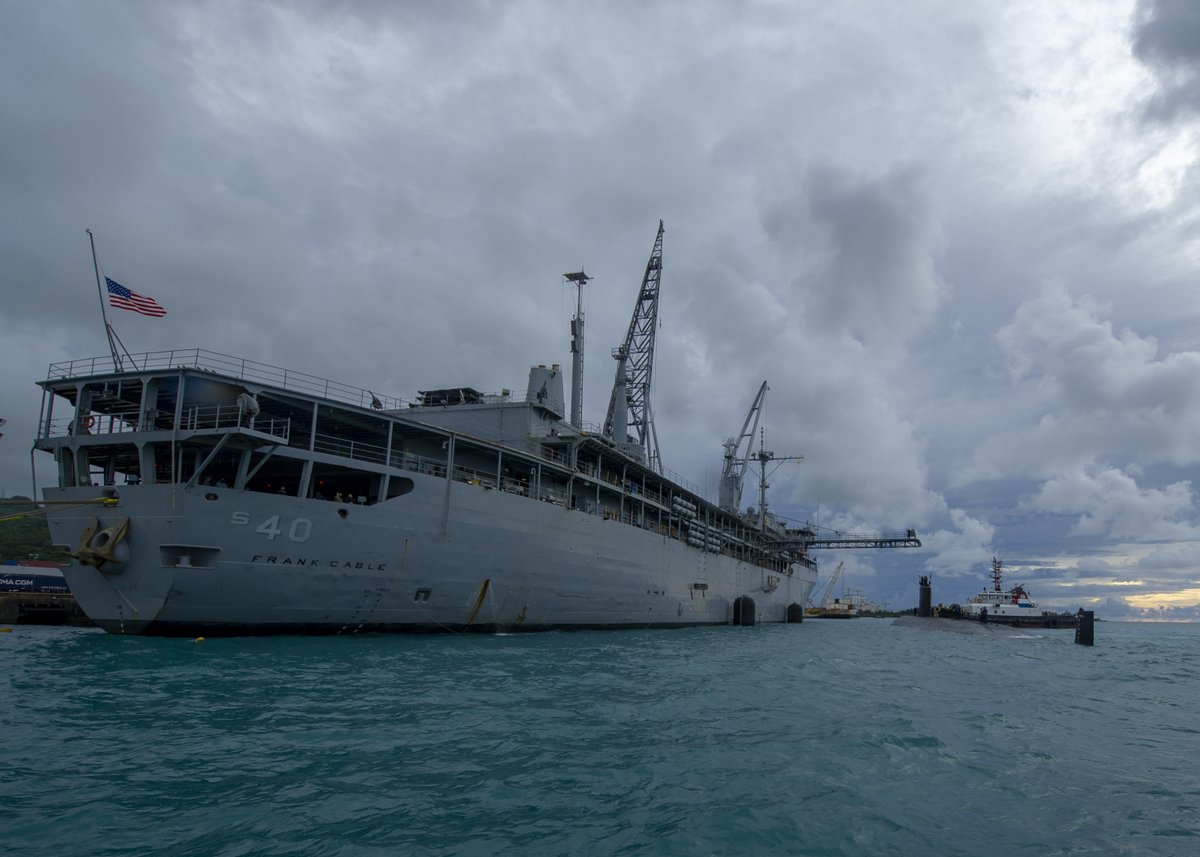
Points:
[[40, 608]]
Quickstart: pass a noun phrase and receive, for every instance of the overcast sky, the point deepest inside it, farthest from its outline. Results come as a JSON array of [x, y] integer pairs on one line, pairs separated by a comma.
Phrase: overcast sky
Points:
[[959, 240]]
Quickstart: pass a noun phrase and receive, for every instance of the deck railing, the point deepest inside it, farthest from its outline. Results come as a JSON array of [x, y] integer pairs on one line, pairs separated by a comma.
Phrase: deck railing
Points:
[[193, 419], [249, 370], [236, 367], [276, 376]]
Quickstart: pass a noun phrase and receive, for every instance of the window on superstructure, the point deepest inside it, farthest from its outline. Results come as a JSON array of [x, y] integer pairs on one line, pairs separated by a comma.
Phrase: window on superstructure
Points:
[[344, 484], [279, 475]]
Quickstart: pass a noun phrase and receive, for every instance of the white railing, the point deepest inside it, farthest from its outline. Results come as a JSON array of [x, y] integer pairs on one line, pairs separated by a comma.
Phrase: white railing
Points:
[[192, 419], [286, 379], [236, 367]]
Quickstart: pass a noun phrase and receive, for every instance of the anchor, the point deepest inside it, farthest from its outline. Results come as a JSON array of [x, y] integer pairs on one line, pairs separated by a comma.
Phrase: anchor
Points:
[[97, 547]]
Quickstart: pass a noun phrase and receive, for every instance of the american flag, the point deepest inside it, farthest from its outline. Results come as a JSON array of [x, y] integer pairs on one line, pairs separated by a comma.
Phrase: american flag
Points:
[[123, 298]]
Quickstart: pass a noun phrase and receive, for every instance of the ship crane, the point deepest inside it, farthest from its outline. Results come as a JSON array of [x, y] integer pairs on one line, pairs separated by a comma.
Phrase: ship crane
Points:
[[736, 461], [799, 539], [733, 471], [833, 579], [630, 423]]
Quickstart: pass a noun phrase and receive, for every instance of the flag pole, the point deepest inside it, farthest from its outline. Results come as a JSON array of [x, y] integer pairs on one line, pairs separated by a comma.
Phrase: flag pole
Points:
[[108, 331]]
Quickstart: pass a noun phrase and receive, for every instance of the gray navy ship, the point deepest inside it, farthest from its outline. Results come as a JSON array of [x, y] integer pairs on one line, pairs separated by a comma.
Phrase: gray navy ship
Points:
[[205, 494]]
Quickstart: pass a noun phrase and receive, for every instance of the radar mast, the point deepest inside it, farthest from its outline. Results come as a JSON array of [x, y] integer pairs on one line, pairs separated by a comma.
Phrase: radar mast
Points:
[[580, 279]]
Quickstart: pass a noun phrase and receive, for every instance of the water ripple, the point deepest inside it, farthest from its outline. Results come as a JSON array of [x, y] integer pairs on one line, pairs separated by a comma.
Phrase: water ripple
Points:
[[829, 738]]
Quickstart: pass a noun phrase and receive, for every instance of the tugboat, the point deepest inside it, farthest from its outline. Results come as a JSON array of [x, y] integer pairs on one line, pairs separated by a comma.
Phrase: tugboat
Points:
[[1013, 607]]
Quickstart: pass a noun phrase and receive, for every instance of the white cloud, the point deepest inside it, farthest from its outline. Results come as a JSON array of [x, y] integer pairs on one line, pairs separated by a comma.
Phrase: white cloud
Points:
[[1108, 502], [1091, 393], [955, 551]]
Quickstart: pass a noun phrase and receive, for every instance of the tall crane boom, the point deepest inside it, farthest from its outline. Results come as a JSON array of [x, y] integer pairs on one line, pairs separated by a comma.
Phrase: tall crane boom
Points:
[[630, 423], [833, 579]]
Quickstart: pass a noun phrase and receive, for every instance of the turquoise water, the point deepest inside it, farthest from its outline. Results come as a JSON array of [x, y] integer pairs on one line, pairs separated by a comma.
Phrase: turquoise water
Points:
[[827, 738]]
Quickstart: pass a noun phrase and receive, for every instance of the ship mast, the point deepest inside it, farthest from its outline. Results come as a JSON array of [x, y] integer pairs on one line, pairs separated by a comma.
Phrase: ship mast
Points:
[[579, 278], [764, 456], [113, 340], [630, 422], [996, 566]]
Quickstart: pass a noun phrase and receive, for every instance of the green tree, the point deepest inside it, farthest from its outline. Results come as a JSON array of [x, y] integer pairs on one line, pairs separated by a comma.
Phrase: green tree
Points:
[[25, 535]]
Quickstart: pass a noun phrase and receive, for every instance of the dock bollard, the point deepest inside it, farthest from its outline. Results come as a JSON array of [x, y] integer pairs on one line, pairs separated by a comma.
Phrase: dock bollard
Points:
[[1084, 631]]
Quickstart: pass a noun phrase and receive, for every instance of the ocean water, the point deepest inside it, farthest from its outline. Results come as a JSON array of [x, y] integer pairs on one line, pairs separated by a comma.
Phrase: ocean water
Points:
[[832, 737]]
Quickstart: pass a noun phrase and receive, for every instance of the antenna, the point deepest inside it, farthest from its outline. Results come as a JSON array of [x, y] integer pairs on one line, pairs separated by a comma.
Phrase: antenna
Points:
[[764, 456]]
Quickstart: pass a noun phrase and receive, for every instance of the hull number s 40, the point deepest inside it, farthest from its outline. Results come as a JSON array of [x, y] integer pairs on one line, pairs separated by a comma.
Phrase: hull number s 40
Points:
[[298, 530]]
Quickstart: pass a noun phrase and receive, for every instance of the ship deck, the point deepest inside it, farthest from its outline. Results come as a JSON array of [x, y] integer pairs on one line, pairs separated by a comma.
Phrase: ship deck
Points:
[[181, 417]]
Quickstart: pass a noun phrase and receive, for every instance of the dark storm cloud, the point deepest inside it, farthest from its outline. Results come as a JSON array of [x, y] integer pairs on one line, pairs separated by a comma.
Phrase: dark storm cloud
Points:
[[77, 130], [1166, 37], [866, 247], [879, 281]]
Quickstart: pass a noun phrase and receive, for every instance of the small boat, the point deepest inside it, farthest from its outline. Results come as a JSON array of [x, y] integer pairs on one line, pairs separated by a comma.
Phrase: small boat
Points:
[[1013, 607]]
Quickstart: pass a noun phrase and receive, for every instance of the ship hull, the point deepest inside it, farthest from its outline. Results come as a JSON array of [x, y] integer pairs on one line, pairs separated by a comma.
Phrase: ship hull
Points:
[[1043, 620], [447, 557]]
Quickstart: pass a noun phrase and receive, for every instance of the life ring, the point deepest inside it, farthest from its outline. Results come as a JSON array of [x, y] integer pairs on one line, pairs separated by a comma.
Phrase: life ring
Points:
[[88, 423]]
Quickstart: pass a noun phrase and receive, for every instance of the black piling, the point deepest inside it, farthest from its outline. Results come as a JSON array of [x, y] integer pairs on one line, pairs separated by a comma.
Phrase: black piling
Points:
[[1084, 631]]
